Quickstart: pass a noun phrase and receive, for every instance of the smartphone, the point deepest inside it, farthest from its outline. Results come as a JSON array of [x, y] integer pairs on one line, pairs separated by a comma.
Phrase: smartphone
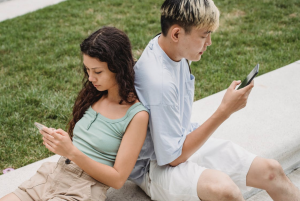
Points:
[[250, 77], [39, 126]]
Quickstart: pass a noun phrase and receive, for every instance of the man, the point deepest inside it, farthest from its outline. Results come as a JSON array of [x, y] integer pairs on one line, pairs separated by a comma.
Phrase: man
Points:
[[178, 160]]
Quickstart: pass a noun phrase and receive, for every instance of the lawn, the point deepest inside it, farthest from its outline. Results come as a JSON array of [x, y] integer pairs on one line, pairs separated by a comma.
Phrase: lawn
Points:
[[40, 62]]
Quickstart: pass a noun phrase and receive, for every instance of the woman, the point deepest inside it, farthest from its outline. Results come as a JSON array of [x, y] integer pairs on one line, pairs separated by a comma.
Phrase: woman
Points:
[[106, 133]]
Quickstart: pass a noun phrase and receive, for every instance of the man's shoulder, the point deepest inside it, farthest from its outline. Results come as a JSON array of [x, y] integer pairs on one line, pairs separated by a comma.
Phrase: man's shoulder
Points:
[[149, 61], [149, 68]]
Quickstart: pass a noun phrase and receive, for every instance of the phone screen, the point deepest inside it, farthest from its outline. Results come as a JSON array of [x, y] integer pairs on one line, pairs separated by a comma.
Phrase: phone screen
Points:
[[250, 77]]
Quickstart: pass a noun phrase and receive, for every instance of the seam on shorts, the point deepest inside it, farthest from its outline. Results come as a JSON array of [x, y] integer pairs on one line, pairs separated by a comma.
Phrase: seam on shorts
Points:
[[46, 178], [246, 170], [156, 184], [169, 190], [23, 196]]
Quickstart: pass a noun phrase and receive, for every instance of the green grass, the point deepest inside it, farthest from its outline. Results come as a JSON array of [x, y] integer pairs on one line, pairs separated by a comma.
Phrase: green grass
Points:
[[40, 63]]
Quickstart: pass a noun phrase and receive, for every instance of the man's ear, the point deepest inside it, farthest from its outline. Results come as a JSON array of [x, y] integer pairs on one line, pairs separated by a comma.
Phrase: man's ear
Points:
[[175, 31]]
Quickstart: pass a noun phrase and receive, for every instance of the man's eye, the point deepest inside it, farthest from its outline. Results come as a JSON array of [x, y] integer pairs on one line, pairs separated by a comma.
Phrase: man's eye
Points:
[[98, 72]]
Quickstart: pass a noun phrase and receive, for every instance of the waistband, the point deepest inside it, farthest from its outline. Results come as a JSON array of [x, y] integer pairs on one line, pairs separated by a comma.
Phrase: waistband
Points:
[[70, 166]]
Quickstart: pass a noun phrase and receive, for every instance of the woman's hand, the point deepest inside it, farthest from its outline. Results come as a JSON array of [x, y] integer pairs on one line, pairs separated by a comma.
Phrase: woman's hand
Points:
[[57, 141], [235, 100]]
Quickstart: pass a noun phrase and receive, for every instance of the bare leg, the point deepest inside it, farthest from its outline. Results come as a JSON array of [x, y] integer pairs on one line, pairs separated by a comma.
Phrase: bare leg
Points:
[[268, 174], [214, 185], [10, 197]]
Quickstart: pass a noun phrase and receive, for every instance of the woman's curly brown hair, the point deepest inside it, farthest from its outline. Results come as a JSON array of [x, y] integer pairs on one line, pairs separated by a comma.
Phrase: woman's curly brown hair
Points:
[[110, 45]]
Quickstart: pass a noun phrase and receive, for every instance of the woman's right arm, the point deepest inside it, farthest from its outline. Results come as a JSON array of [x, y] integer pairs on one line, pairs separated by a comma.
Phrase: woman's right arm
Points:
[[128, 153]]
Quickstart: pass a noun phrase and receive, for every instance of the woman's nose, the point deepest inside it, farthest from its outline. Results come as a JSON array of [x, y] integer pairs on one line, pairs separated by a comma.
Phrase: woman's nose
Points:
[[91, 78]]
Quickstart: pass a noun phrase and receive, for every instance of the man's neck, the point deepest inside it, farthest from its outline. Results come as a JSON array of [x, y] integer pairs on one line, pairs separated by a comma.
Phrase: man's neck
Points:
[[168, 47]]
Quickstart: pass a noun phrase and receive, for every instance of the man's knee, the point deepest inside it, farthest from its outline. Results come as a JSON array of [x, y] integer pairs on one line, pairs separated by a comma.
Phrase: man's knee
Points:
[[273, 170], [218, 187], [225, 190]]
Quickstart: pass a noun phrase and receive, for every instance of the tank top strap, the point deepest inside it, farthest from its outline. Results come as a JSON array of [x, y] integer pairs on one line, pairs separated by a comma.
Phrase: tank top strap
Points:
[[133, 110]]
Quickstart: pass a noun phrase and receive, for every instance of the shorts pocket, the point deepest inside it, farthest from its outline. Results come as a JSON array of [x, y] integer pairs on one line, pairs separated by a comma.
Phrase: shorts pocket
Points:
[[87, 190], [98, 191], [40, 177]]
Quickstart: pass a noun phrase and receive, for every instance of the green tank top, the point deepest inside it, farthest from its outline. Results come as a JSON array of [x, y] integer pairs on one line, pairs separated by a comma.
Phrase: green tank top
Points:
[[99, 137]]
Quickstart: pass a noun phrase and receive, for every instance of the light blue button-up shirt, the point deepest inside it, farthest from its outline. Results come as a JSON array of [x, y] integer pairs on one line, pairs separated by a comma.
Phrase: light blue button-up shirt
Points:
[[166, 89]]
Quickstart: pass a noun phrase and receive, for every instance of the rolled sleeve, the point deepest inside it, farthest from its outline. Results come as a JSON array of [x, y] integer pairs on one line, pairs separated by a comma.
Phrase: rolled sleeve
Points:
[[166, 131], [194, 126]]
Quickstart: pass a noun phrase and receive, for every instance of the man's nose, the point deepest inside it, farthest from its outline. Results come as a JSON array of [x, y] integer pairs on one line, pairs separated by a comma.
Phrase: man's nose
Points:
[[208, 40]]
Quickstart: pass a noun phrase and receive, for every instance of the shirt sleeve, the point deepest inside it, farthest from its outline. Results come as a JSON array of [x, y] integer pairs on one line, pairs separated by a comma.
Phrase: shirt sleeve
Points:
[[194, 126], [167, 134]]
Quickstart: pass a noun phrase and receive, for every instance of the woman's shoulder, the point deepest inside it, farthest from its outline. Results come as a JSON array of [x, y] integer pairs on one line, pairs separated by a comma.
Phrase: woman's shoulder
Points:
[[137, 109], [137, 106], [139, 114]]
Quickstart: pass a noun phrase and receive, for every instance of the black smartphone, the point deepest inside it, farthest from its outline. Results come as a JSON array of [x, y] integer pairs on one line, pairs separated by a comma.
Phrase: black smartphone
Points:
[[250, 77]]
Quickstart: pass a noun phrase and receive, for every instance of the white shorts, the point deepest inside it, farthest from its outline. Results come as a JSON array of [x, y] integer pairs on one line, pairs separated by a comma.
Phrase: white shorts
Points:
[[167, 183]]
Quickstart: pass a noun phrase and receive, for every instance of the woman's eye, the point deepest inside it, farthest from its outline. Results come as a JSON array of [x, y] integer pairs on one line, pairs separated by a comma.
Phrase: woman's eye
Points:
[[98, 72]]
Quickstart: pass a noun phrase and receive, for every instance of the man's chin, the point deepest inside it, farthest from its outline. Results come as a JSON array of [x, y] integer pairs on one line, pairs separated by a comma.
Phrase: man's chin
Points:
[[196, 58]]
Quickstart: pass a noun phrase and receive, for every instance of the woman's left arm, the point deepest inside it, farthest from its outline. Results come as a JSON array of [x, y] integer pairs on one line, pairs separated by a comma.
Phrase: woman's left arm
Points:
[[59, 142]]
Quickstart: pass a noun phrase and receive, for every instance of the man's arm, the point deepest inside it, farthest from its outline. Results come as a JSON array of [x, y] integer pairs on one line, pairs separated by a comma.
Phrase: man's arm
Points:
[[233, 101]]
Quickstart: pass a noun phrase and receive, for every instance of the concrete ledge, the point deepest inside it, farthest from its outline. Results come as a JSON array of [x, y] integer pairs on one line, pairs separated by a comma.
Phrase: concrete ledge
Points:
[[269, 125]]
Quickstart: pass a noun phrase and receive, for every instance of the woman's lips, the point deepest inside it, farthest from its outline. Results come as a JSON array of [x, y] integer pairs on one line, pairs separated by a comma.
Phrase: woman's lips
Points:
[[201, 53]]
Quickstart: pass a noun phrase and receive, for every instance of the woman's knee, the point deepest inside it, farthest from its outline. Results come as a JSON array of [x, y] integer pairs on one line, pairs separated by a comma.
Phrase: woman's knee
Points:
[[10, 197], [216, 185]]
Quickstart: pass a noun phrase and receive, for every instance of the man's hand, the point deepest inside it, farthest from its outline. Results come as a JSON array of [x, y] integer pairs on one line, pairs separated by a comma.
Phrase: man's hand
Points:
[[57, 141], [235, 100]]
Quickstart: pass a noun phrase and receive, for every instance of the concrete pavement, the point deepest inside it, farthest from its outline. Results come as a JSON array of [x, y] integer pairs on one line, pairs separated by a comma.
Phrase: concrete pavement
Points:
[[14, 8]]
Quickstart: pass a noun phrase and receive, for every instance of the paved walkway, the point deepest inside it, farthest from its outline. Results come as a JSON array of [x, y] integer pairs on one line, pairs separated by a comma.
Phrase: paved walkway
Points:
[[14, 8], [3, 0]]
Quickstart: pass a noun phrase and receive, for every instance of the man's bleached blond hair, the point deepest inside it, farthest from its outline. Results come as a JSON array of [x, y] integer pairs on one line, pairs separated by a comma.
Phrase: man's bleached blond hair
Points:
[[189, 13]]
